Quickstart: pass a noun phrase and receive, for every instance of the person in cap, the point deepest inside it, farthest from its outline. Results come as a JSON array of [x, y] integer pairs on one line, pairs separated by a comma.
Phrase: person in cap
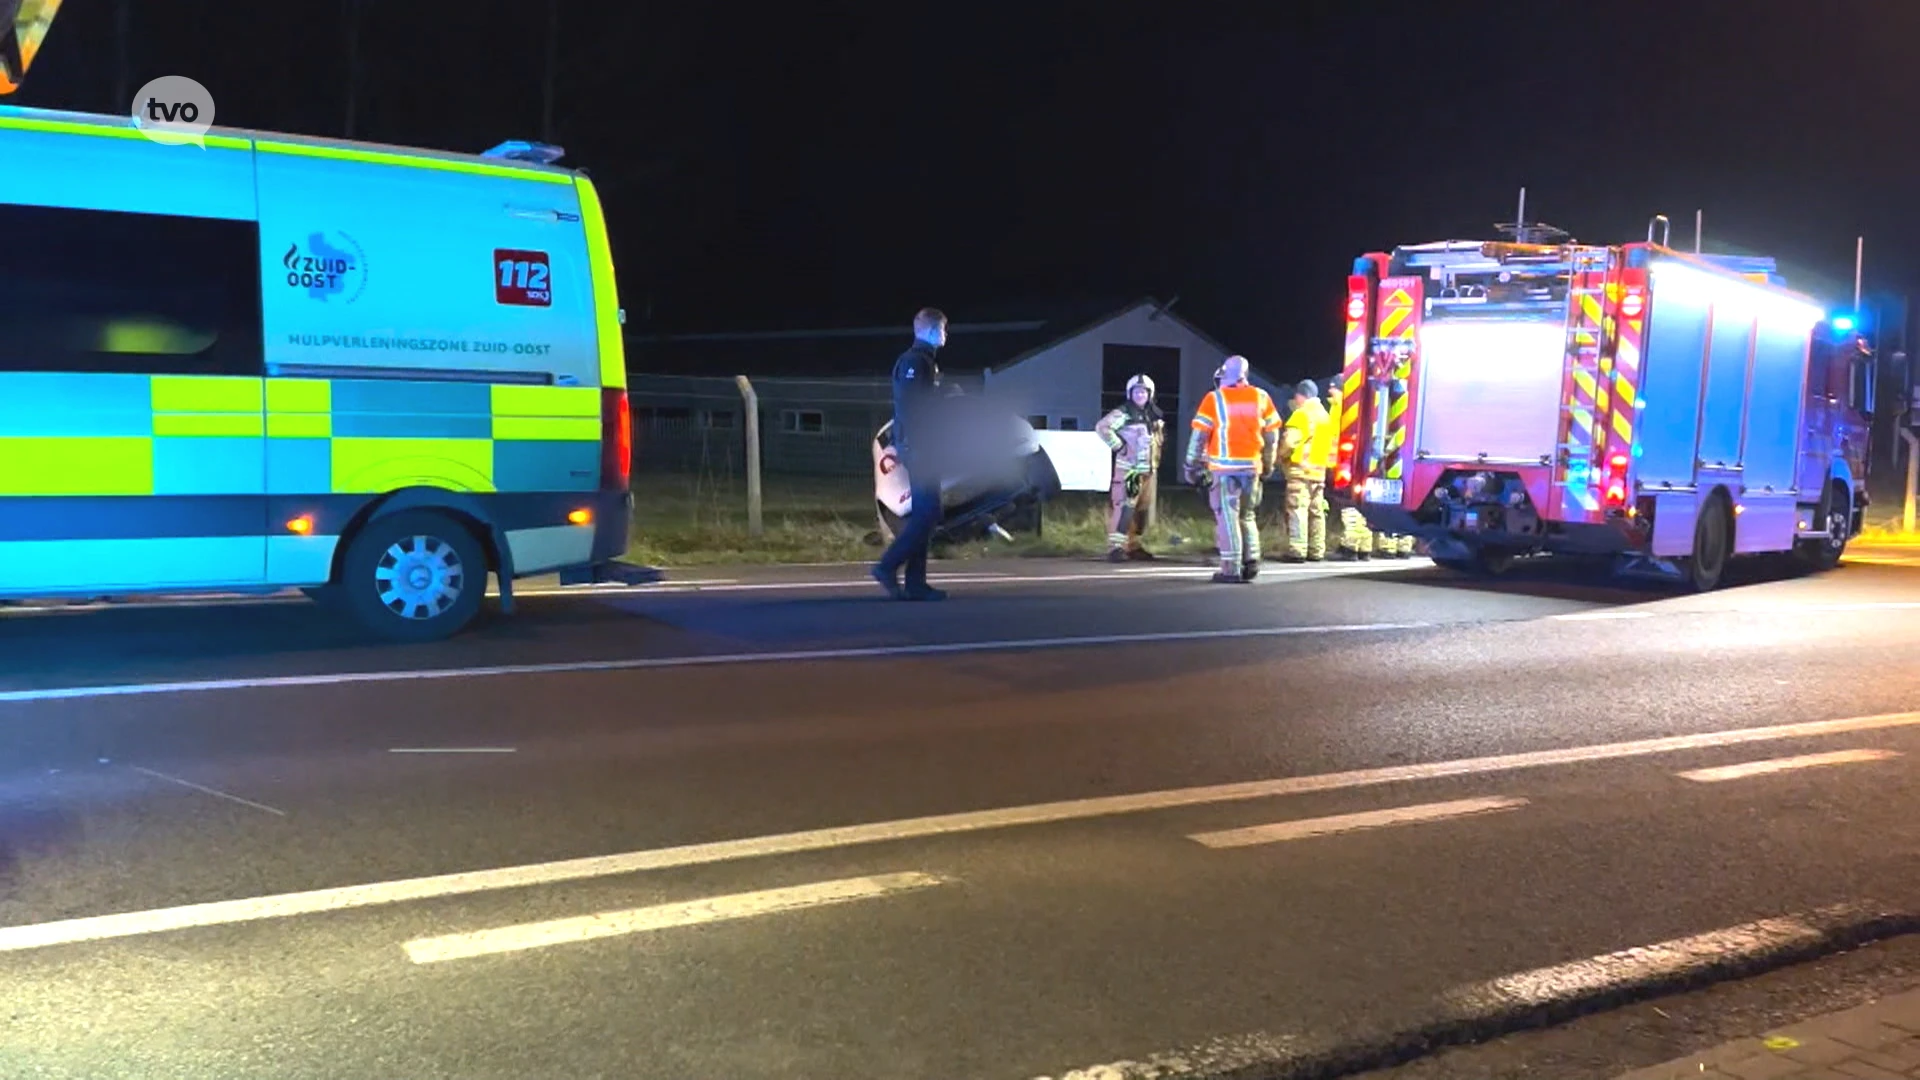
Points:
[[1235, 443], [1133, 432], [916, 439]]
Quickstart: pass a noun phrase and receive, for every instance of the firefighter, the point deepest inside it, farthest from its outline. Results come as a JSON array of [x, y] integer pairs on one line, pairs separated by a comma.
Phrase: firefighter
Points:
[[1306, 447], [1235, 443], [1134, 432]]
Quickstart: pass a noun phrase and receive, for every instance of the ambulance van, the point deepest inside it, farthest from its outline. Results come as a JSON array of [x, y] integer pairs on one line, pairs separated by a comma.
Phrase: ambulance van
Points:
[[373, 374]]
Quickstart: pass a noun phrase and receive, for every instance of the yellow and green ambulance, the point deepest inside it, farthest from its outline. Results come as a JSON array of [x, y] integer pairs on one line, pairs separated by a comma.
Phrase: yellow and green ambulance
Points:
[[371, 373]]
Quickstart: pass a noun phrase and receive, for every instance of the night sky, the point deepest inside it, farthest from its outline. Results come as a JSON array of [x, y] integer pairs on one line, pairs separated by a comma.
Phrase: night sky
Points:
[[804, 165]]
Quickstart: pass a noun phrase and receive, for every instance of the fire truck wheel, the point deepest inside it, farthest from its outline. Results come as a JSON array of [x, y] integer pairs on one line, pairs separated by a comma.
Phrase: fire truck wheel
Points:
[[1712, 544], [1837, 515], [1482, 563]]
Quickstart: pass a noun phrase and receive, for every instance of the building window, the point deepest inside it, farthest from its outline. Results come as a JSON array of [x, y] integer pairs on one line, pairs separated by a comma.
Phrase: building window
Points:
[[718, 420], [1069, 423], [803, 421], [1038, 423], [138, 294]]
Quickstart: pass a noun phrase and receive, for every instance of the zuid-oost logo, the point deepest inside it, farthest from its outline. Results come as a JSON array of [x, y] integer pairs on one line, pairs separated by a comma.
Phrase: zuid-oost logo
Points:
[[174, 110], [327, 266]]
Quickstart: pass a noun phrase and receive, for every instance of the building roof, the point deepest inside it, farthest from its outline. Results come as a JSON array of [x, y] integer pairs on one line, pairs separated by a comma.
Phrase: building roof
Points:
[[1163, 312], [994, 340]]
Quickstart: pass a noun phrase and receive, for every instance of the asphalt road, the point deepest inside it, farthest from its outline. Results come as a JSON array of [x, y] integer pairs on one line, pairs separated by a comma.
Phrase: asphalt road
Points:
[[828, 835]]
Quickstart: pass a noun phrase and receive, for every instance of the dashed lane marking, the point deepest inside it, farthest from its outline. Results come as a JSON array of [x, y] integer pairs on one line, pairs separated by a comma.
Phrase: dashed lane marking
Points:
[[712, 909], [1341, 823], [1786, 764]]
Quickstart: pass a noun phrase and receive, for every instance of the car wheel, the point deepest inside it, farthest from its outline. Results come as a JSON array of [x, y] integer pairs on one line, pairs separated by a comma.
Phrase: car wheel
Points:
[[418, 575]]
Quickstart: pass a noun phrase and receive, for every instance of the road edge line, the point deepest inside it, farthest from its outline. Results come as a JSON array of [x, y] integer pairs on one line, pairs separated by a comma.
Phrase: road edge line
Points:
[[1481, 1012]]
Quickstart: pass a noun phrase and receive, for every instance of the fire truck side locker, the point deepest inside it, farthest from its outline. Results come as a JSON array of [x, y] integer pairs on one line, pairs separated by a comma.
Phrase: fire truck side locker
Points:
[[1722, 408]]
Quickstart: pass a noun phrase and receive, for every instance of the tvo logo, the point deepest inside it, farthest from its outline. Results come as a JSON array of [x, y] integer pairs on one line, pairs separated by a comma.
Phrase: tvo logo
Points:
[[174, 110]]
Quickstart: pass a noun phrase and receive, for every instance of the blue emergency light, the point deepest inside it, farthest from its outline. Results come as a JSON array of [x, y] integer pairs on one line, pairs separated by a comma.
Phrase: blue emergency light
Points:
[[1843, 323]]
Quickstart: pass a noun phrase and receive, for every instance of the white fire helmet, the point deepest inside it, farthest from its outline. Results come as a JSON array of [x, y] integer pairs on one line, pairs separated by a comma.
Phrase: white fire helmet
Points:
[[1140, 380]]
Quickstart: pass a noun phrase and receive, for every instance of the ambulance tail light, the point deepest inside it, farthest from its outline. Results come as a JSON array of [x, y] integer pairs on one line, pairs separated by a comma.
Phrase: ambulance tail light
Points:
[[1343, 468], [616, 439]]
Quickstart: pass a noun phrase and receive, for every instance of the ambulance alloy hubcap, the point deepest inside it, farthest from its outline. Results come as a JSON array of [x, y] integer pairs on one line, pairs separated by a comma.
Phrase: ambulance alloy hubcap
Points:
[[419, 577]]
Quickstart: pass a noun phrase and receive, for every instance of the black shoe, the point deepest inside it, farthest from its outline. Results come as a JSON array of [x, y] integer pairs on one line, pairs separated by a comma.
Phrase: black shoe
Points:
[[1343, 555], [1140, 554], [888, 583], [1249, 571], [1221, 577], [925, 592], [1116, 555], [1292, 559], [1316, 558]]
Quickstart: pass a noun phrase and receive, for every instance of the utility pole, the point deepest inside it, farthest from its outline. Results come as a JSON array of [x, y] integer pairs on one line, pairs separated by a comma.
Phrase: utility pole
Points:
[[1699, 223], [1859, 260], [553, 54]]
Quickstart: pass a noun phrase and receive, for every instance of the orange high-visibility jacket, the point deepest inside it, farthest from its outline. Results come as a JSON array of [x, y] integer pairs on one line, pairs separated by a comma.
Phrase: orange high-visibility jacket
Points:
[[1238, 421]]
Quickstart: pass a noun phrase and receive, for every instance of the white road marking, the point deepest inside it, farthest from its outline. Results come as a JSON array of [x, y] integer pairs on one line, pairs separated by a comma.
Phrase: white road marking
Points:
[[1802, 609], [1371, 819], [1785, 764], [750, 905], [670, 585], [222, 912], [278, 682], [203, 789], [1226, 1056], [1546, 985], [1595, 616], [451, 750]]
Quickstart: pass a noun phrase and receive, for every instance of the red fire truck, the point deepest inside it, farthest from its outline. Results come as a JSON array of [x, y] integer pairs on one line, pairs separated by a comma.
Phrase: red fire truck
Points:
[[1536, 395]]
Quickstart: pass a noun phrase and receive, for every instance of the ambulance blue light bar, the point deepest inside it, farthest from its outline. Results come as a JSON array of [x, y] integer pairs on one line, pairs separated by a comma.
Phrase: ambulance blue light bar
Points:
[[521, 150]]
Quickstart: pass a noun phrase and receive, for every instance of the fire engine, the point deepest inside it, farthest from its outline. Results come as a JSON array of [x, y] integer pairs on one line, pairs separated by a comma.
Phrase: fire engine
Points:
[[1536, 395]]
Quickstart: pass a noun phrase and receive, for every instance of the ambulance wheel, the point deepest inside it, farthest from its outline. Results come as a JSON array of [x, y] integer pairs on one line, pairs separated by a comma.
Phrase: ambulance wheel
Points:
[[1712, 544], [414, 576]]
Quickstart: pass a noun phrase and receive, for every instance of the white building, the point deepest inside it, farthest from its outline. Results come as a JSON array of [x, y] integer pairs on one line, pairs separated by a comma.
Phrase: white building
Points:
[[1071, 381]]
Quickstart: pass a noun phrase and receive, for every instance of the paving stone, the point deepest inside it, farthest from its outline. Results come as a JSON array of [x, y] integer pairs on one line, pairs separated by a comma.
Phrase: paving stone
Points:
[[1860, 1070]]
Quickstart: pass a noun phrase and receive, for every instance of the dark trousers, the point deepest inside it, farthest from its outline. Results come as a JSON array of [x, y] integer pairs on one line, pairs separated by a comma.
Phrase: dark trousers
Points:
[[909, 547]]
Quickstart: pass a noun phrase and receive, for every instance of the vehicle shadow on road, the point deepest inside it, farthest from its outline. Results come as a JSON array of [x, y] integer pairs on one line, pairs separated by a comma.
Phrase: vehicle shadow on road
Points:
[[1582, 581], [61, 646]]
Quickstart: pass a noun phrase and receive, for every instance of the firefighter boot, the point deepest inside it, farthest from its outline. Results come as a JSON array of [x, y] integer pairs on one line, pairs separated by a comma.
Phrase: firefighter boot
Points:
[[1249, 571]]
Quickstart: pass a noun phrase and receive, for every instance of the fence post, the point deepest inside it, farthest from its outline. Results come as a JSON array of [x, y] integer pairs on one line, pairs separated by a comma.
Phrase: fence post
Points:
[[753, 453]]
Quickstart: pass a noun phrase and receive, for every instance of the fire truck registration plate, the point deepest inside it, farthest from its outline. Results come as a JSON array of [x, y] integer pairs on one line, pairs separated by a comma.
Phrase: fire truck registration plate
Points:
[[1382, 491]]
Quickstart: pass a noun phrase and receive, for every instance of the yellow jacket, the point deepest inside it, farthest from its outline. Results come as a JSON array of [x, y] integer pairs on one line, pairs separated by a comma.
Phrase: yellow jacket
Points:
[[1309, 437]]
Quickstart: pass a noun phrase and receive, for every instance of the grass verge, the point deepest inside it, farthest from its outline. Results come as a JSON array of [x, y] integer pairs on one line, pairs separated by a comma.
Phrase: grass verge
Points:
[[682, 520]]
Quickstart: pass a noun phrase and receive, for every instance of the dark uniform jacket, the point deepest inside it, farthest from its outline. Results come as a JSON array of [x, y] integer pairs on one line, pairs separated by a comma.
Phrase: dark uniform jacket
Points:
[[916, 404]]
